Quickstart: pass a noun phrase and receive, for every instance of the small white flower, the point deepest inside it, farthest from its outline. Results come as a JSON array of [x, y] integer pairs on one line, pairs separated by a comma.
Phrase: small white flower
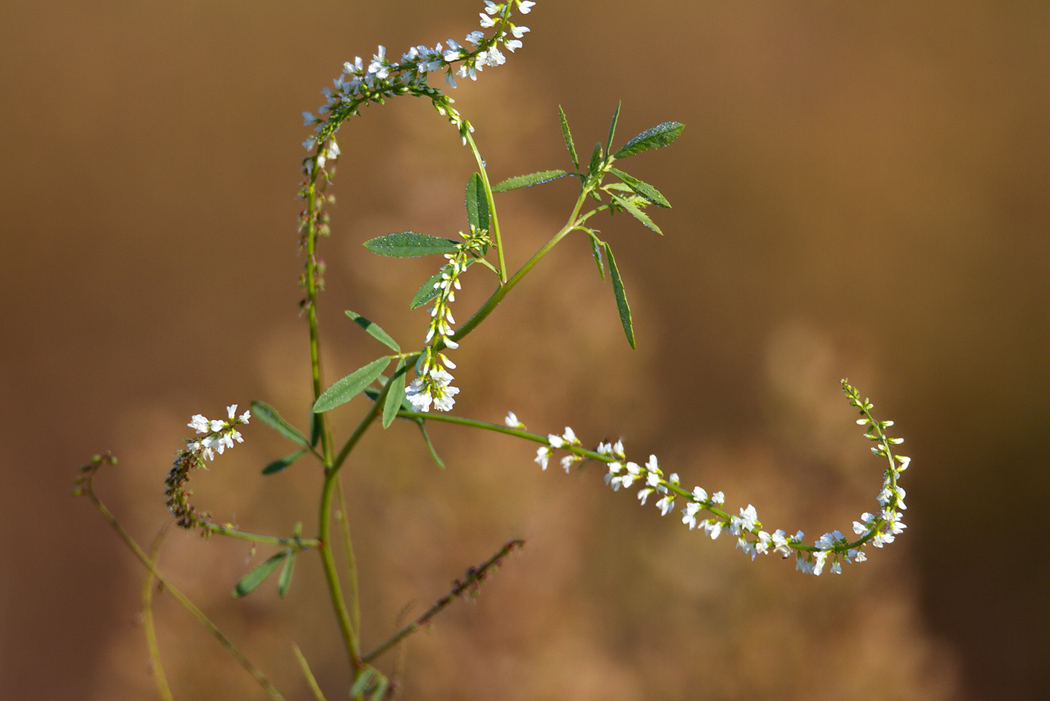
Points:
[[643, 494], [492, 8], [512, 420], [199, 423], [525, 6], [543, 456], [665, 504], [487, 21]]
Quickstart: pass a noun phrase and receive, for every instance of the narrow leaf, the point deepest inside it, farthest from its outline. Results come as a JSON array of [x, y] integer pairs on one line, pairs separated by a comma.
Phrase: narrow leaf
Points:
[[621, 297], [568, 138], [315, 429], [430, 446], [658, 136], [477, 204], [346, 388], [612, 127], [395, 395], [374, 331], [269, 416], [365, 680], [636, 212], [285, 579], [257, 575], [596, 160], [544, 176], [642, 188], [427, 292], [407, 244], [597, 252], [281, 463], [381, 688]]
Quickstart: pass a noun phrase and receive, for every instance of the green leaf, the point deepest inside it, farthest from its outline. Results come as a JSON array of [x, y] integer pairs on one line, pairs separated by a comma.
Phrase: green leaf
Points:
[[269, 416], [346, 388], [642, 188], [257, 575], [568, 138], [407, 244], [374, 331], [597, 252], [612, 127], [395, 395], [635, 212], [428, 292], [658, 136], [477, 204], [544, 176], [315, 429], [281, 463], [621, 297], [430, 446], [285, 580], [596, 161], [370, 680]]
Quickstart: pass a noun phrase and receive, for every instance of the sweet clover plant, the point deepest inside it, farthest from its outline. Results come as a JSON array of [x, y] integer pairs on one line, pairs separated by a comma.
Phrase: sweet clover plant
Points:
[[416, 385]]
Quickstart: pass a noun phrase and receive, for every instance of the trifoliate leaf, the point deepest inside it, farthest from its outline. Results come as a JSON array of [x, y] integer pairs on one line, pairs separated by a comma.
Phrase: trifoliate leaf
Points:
[[544, 176], [408, 244], [568, 138], [658, 136], [374, 331], [346, 388], [269, 416], [258, 575], [642, 188], [635, 212], [621, 297]]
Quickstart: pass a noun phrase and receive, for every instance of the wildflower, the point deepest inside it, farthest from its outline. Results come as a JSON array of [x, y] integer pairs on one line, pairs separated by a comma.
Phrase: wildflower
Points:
[[512, 420]]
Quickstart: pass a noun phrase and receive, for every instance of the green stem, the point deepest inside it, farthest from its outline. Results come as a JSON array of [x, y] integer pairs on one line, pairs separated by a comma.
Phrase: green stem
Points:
[[145, 559], [293, 542]]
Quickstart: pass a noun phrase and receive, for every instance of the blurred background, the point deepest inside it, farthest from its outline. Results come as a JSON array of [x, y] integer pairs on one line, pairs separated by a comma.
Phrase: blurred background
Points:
[[861, 191]]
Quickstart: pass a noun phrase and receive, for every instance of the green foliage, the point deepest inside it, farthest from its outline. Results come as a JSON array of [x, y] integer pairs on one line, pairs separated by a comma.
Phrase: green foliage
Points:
[[348, 387], [409, 244]]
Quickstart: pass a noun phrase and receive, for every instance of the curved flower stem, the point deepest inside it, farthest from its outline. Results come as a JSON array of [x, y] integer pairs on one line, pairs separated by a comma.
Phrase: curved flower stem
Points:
[[147, 561], [157, 669]]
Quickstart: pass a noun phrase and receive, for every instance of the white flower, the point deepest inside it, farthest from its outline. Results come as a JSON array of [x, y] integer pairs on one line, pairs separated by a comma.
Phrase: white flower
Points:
[[690, 512], [543, 455], [199, 423], [525, 6], [492, 8], [512, 420], [643, 494], [418, 394], [487, 21], [665, 504]]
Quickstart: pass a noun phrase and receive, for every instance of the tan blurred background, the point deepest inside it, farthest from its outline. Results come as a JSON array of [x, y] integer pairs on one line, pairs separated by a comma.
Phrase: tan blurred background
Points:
[[862, 190]]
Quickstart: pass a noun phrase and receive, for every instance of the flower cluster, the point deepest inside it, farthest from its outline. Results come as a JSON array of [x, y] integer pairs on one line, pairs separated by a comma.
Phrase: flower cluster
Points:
[[219, 435], [376, 80], [833, 547], [433, 384]]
